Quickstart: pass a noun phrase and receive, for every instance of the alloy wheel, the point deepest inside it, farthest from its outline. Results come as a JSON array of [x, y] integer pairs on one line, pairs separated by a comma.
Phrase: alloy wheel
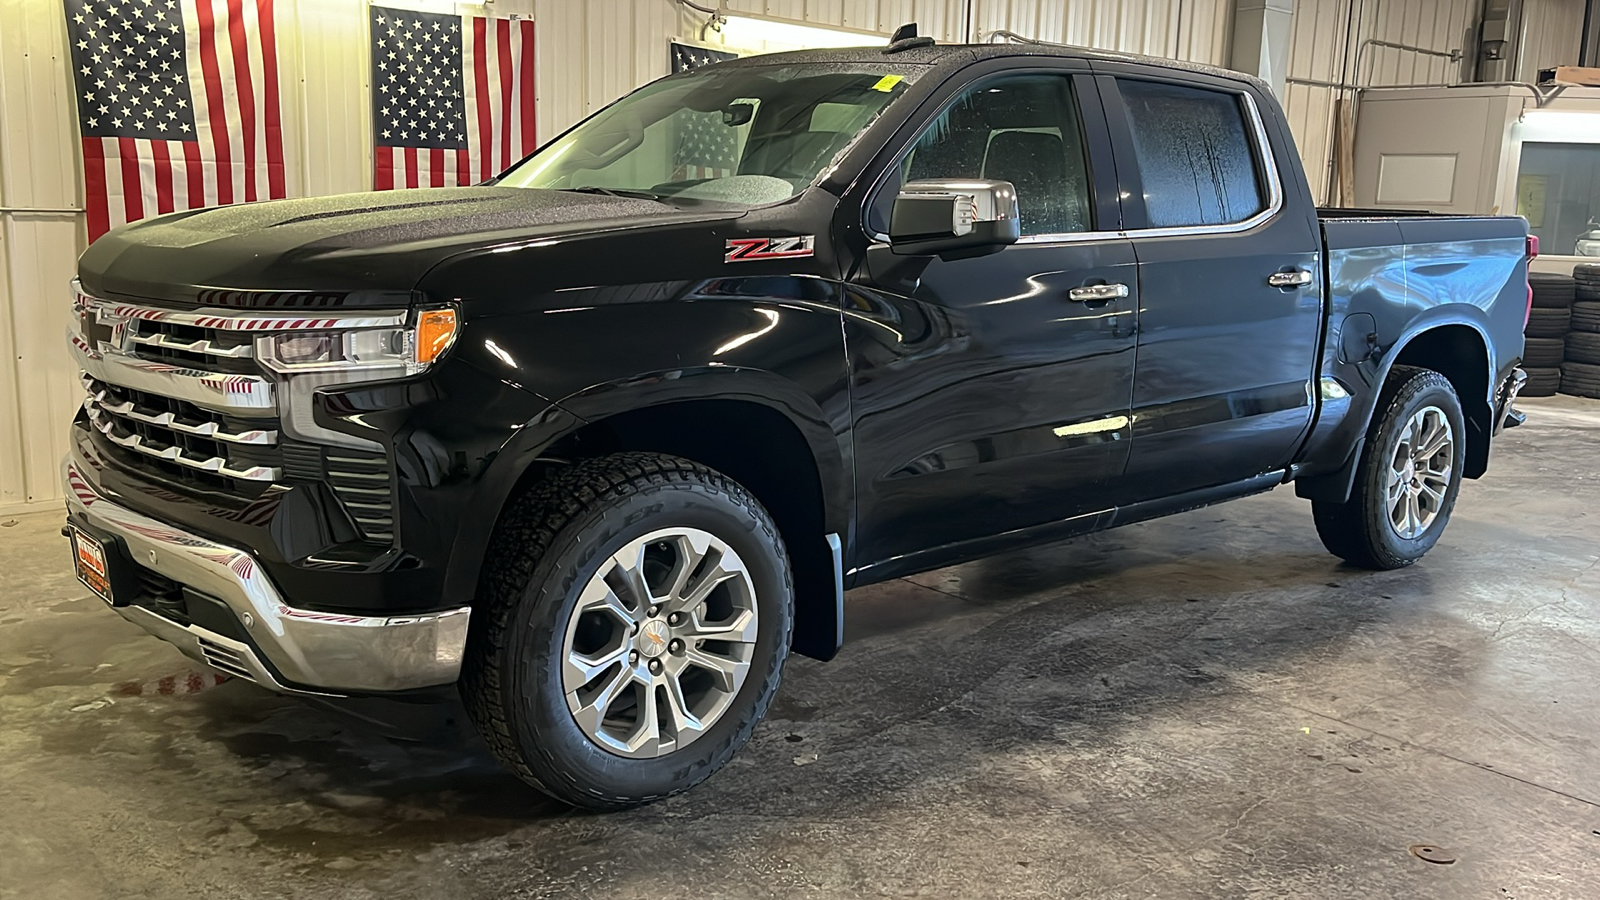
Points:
[[659, 643], [1420, 472]]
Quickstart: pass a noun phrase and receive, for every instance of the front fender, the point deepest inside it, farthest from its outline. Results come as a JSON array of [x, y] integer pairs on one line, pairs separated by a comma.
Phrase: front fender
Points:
[[775, 342]]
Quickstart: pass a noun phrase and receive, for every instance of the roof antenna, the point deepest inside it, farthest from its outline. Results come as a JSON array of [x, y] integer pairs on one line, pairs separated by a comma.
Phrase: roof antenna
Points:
[[905, 38]]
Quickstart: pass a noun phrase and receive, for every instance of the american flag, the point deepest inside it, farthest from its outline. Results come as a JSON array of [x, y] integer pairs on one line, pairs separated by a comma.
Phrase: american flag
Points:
[[177, 105], [452, 97], [706, 148]]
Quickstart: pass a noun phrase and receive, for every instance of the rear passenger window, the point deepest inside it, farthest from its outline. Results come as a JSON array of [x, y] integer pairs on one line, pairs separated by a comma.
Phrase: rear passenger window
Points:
[[1194, 153]]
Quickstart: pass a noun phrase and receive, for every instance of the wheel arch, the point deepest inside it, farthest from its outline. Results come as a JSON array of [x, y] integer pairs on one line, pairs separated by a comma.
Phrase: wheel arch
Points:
[[1460, 352], [757, 428]]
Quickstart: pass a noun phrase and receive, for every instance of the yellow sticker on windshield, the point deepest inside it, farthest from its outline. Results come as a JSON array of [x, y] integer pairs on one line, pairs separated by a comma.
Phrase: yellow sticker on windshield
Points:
[[887, 83]]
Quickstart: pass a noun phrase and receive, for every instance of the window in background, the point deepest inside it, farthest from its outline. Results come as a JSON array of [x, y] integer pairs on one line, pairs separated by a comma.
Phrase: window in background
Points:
[[1558, 191]]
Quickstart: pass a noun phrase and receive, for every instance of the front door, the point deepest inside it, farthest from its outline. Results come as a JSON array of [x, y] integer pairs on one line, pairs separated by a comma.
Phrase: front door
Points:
[[991, 395], [1229, 278]]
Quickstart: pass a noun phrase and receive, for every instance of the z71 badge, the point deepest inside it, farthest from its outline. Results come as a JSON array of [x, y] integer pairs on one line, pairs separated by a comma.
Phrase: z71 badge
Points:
[[754, 248]]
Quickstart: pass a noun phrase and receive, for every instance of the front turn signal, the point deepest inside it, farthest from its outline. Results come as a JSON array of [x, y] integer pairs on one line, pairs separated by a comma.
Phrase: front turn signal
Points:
[[436, 331]]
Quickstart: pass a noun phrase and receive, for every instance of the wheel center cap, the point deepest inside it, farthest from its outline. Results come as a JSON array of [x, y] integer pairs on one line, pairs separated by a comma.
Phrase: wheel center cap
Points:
[[653, 639]]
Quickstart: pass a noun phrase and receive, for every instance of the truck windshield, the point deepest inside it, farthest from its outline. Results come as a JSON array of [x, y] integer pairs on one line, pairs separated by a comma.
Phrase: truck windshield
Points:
[[741, 135]]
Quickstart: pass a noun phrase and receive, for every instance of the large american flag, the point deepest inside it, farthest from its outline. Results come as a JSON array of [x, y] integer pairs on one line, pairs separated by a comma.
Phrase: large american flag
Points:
[[177, 105], [452, 97]]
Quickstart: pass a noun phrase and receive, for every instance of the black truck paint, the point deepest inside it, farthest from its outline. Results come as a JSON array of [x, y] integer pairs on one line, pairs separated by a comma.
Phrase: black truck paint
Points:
[[893, 413]]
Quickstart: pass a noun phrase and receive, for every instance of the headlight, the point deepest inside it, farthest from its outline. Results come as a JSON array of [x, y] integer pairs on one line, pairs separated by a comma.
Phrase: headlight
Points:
[[366, 355], [311, 361]]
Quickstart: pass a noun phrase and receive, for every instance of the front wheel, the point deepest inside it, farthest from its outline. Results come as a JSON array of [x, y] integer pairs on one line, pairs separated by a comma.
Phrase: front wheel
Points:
[[638, 610], [1408, 476]]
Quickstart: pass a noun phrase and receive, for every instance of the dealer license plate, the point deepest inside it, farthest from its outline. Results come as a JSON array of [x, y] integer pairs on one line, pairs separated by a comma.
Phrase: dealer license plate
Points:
[[90, 557]]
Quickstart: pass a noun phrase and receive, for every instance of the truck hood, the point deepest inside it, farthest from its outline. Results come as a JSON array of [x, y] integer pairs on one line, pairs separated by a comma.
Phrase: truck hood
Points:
[[349, 250]]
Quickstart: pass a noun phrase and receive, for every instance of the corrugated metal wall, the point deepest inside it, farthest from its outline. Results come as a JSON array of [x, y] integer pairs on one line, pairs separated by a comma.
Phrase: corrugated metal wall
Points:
[[590, 52]]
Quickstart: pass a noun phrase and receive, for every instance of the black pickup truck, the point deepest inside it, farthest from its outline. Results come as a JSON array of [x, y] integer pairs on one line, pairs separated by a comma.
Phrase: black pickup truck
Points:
[[598, 442]]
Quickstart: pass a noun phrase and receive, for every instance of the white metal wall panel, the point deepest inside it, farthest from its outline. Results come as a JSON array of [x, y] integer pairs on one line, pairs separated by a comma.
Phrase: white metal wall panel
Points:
[[38, 143], [1551, 33]]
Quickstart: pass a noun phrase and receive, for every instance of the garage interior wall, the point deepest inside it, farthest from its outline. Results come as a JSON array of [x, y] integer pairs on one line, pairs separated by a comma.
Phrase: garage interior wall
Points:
[[589, 53]]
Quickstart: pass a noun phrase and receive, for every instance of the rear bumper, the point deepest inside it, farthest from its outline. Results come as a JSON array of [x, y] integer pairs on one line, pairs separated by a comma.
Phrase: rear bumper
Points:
[[268, 641]]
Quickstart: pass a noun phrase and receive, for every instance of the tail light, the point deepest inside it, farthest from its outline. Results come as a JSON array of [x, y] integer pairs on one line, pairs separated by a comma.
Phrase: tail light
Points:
[[1533, 252]]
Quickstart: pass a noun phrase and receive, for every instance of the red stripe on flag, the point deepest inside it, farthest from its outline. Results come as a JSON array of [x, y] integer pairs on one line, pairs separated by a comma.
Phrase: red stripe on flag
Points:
[[464, 167], [384, 179], [269, 74], [480, 78], [195, 170], [411, 167], [529, 134], [223, 163], [94, 185], [436, 167], [132, 186], [163, 160], [246, 92], [502, 38]]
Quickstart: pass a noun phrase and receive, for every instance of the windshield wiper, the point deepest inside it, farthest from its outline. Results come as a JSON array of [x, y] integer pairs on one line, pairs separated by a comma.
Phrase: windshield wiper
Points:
[[616, 192]]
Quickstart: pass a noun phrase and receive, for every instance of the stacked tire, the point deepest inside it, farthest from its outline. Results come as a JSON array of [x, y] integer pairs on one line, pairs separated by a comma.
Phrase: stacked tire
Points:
[[1545, 346], [1580, 372]]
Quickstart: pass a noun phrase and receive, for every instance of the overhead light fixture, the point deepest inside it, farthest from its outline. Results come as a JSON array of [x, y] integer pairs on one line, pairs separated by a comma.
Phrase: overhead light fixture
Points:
[[764, 35], [1559, 126]]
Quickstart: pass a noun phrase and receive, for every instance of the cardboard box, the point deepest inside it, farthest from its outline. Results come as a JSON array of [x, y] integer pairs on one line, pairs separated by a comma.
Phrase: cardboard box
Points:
[[1584, 75]]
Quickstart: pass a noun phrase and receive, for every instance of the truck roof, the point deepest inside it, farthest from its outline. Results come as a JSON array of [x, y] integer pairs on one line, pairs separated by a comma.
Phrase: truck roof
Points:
[[956, 55]]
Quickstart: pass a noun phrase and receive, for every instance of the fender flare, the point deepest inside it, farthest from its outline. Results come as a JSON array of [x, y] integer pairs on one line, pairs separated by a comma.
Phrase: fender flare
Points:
[[505, 469], [1335, 486]]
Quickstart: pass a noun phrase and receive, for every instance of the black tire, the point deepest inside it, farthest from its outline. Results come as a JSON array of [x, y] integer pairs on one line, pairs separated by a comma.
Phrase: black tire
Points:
[[1586, 316], [1542, 382], [1359, 530], [550, 543], [1551, 291], [1580, 379], [1548, 323], [1543, 353], [1583, 347]]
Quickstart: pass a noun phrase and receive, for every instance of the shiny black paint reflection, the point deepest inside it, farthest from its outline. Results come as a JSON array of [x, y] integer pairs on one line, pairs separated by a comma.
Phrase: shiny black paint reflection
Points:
[[959, 386]]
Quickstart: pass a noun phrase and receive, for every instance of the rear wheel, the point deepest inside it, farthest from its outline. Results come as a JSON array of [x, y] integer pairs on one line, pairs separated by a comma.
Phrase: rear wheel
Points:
[[638, 611], [1408, 476]]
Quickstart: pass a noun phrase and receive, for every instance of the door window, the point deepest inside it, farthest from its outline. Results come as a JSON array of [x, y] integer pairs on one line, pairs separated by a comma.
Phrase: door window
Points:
[[1194, 154], [1020, 128]]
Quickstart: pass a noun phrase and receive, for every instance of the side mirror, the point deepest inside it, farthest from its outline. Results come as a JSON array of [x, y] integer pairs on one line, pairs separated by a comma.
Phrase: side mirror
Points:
[[954, 218]]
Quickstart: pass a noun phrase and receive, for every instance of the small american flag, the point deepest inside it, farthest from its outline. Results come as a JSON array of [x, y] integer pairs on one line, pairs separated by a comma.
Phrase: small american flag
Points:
[[706, 147], [452, 97], [177, 105]]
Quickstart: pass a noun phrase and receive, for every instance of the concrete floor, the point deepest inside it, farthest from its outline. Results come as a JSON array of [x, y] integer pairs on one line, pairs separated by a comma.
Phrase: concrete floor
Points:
[[1203, 706]]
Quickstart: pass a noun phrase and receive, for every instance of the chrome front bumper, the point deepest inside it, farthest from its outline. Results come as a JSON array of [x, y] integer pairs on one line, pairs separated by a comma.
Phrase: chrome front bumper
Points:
[[310, 652]]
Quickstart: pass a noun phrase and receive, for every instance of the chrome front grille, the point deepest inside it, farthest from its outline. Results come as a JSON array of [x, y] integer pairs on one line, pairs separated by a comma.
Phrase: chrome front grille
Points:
[[180, 395], [192, 345], [182, 434]]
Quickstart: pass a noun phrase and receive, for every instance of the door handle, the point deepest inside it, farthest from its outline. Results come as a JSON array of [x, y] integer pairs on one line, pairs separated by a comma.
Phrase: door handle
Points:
[[1093, 293], [1297, 278]]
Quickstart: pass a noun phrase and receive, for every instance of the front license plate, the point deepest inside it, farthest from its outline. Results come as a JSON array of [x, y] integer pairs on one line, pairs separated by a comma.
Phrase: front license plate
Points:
[[90, 558]]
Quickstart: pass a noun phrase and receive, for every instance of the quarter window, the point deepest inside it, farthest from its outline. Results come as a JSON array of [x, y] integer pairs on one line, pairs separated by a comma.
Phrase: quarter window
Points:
[[1194, 154]]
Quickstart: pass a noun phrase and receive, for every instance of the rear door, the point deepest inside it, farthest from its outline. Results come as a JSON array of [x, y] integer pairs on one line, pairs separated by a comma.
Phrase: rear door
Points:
[[1230, 291]]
